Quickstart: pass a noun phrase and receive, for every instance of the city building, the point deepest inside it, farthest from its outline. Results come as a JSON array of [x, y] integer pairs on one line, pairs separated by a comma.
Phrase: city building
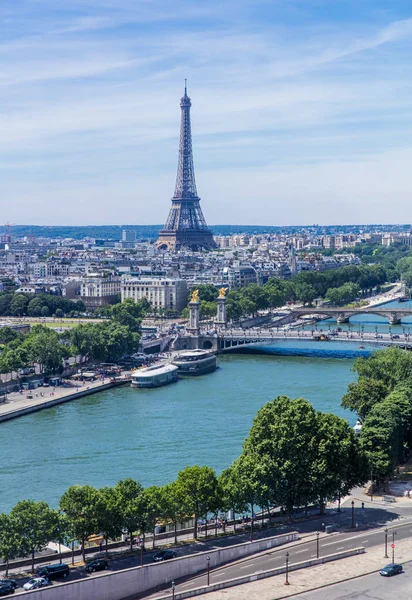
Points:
[[98, 291], [168, 294]]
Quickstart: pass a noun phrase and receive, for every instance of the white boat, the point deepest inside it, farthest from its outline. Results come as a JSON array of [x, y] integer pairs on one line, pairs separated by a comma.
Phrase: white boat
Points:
[[195, 362], [155, 376]]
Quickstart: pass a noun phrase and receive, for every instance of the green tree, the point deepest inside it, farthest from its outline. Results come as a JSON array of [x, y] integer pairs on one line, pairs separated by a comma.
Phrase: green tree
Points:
[[148, 510], [108, 514], [59, 313], [5, 302], [10, 546], [233, 496], [196, 487], [251, 481], [44, 348], [170, 505], [247, 307], [34, 524], [257, 294], [305, 293], [34, 307], [45, 312], [128, 493], [207, 292], [390, 366], [207, 309], [363, 395], [283, 441], [12, 360], [18, 305], [339, 463], [80, 505], [7, 335]]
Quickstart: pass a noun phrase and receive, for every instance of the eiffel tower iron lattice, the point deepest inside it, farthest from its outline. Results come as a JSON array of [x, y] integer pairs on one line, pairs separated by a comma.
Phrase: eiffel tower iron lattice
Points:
[[185, 225]]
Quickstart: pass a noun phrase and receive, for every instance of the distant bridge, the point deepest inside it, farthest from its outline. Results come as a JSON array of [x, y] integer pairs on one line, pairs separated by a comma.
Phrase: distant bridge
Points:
[[226, 341], [342, 315]]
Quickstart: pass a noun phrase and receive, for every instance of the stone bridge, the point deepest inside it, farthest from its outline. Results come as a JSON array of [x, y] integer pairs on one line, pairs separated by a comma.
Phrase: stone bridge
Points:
[[227, 342], [342, 315]]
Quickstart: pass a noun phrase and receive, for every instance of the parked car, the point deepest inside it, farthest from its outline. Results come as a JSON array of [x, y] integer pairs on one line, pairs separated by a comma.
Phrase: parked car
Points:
[[12, 582], [36, 583], [99, 564], [164, 555], [6, 588], [53, 571], [392, 569]]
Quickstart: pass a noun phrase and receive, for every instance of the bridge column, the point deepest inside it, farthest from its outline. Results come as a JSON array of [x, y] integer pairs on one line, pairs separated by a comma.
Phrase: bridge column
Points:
[[342, 318], [221, 311], [394, 319], [193, 318]]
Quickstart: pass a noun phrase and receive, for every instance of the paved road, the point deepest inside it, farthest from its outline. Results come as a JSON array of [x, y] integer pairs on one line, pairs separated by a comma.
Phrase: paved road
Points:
[[328, 544], [369, 587]]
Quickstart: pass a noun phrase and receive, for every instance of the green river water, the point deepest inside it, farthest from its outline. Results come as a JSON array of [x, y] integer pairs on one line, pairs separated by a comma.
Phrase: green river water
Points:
[[151, 434]]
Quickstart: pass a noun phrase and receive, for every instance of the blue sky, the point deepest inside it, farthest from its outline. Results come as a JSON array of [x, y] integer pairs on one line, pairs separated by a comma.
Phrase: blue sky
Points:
[[302, 109]]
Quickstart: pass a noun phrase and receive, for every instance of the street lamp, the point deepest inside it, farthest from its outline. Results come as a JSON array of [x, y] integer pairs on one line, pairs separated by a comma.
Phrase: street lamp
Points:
[[393, 546], [317, 544], [251, 527], [208, 570], [173, 590], [386, 543], [353, 514], [287, 568]]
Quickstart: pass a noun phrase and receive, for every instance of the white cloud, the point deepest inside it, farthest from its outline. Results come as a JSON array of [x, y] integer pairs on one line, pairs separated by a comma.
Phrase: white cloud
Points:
[[92, 96]]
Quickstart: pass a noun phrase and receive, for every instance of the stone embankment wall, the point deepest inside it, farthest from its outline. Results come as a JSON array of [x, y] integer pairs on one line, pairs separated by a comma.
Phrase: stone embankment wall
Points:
[[119, 585]]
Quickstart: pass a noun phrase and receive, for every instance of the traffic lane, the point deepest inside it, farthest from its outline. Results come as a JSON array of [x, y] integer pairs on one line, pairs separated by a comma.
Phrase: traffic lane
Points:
[[301, 552], [79, 573], [370, 587]]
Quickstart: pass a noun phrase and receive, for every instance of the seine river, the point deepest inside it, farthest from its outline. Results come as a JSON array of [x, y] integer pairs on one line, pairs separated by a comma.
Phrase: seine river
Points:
[[151, 434]]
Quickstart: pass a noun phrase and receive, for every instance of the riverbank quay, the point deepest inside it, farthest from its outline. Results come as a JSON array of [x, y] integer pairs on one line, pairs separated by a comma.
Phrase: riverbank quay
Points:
[[118, 583], [18, 404], [186, 541]]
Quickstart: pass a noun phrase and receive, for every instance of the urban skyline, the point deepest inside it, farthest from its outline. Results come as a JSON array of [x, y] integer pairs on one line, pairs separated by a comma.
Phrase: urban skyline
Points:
[[302, 109]]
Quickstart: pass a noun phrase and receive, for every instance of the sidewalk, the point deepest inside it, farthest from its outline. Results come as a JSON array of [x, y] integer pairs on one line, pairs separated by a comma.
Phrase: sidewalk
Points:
[[18, 404], [316, 577]]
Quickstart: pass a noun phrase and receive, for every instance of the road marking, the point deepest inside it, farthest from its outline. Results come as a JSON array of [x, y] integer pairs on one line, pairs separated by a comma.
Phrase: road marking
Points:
[[247, 566], [365, 541], [313, 555], [341, 548], [331, 543], [300, 551]]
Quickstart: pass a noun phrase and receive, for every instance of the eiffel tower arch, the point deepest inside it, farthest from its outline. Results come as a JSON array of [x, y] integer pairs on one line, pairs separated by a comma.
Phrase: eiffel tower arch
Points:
[[185, 226]]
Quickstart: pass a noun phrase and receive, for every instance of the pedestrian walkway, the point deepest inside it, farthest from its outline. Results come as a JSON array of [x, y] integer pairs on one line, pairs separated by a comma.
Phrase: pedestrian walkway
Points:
[[18, 403]]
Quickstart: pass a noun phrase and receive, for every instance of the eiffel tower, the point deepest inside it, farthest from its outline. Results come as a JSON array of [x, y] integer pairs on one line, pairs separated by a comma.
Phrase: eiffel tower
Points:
[[185, 226]]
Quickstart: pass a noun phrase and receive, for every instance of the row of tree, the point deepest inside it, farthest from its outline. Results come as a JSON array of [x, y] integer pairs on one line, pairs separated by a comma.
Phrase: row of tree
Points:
[[339, 286], [38, 305], [105, 341], [294, 456], [382, 398]]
